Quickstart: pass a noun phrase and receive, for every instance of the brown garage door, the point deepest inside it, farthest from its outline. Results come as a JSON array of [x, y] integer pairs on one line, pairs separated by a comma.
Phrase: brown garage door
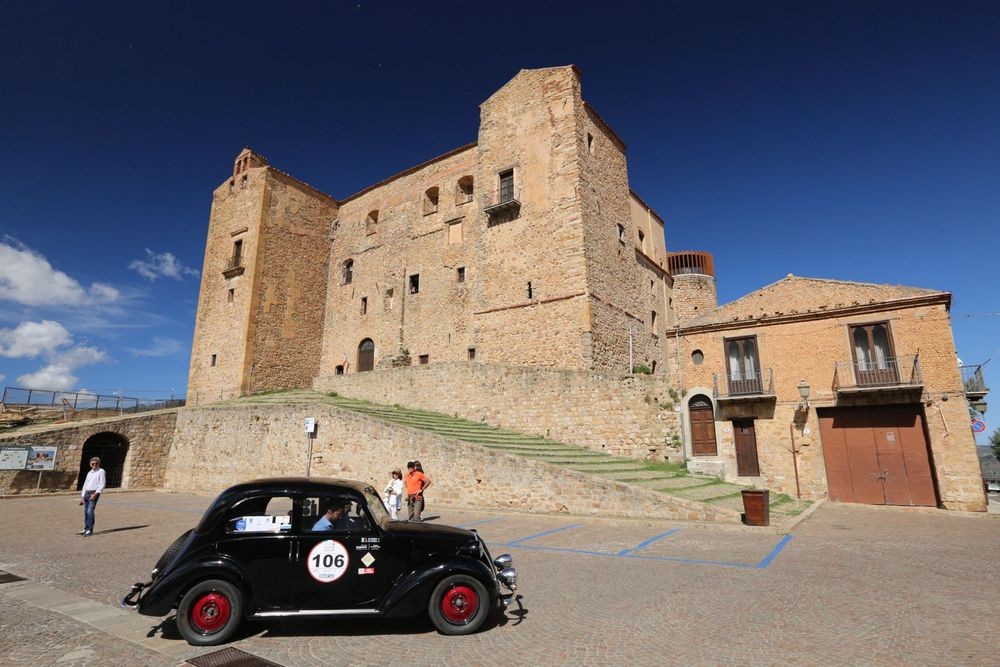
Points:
[[877, 455]]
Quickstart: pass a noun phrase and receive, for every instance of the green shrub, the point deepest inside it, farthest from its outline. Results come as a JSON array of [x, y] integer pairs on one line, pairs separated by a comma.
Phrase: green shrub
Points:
[[641, 369]]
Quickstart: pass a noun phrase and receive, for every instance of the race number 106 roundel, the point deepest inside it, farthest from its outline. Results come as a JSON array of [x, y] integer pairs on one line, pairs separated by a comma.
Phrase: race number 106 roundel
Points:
[[327, 561]]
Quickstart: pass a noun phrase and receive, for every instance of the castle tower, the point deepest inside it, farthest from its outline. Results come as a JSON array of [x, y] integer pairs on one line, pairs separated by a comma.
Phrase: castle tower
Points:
[[260, 308], [694, 290]]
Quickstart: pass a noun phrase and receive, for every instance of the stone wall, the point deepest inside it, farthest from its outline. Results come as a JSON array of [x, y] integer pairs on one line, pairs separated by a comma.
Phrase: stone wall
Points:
[[625, 415], [148, 436], [215, 447]]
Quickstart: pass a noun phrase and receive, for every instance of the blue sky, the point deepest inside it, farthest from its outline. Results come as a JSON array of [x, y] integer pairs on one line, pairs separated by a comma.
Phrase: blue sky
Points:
[[854, 140]]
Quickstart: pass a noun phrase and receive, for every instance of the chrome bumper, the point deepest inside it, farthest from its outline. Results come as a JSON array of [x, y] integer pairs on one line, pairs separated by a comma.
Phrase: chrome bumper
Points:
[[131, 601]]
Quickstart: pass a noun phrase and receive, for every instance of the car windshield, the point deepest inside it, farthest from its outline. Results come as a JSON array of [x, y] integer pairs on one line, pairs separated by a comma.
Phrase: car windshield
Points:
[[375, 506]]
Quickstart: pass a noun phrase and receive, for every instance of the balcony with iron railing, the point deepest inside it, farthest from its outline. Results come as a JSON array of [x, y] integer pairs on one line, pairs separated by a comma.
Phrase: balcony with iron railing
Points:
[[974, 382], [744, 386], [234, 267], [889, 374], [503, 204]]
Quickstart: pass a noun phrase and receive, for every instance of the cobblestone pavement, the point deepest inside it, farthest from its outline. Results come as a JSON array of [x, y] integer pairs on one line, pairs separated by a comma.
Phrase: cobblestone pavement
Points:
[[851, 585]]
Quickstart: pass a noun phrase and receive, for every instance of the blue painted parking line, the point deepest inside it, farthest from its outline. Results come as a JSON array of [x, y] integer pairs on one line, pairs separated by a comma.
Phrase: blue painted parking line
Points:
[[546, 532], [643, 545], [774, 552], [630, 553]]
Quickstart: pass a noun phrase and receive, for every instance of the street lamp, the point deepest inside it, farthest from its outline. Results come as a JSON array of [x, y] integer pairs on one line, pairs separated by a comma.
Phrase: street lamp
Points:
[[803, 392]]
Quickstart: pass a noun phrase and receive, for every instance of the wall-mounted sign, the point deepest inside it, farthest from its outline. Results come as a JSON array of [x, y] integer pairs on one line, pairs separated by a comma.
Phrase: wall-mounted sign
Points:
[[978, 426]]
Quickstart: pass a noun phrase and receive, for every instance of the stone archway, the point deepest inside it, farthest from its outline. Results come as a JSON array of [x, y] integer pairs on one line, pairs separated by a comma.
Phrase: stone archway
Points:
[[112, 449]]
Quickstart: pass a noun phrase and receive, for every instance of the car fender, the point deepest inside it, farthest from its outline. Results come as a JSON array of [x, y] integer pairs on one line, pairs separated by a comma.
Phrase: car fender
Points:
[[409, 596], [166, 592]]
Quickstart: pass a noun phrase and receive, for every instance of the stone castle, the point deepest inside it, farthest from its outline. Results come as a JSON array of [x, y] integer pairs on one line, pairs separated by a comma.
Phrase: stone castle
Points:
[[525, 254]]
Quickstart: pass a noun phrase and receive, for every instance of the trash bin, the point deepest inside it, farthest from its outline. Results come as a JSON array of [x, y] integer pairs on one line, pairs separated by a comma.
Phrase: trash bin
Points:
[[756, 507]]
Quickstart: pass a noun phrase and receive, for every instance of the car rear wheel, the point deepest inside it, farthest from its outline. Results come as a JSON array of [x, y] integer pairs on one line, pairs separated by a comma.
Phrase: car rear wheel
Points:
[[459, 605], [209, 613]]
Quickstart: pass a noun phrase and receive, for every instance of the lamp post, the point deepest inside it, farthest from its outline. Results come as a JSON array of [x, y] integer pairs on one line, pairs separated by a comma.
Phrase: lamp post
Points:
[[803, 388]]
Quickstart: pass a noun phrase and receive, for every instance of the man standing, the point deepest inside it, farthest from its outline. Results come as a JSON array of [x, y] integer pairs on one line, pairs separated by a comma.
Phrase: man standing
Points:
[[92, 488], [416, 482]]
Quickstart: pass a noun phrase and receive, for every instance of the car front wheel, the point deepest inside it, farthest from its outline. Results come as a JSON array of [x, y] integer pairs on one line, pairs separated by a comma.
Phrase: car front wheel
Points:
[[209, 613], [459, 605]]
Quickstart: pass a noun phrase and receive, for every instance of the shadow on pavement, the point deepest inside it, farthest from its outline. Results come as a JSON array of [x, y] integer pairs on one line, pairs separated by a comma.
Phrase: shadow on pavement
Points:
[[118, 530]]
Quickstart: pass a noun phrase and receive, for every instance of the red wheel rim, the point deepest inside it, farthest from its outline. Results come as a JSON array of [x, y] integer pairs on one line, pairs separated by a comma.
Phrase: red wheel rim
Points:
[[210, 612], [459, 604]]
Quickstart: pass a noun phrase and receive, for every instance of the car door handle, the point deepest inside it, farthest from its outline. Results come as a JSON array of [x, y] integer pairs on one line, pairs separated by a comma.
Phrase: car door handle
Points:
[[293, 551]]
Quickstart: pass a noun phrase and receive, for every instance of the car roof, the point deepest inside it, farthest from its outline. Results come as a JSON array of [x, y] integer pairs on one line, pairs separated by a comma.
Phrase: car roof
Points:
[[277, 486]]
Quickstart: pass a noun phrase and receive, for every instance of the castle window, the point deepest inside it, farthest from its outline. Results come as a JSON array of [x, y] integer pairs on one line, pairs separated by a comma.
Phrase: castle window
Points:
[[506, 186], [339, 370], [213, 359], [388, 298], [348, 273], [455, 232], [232, 185], [460, 274], [653, 367], [464, 192], [531, 292], [237, 253], [621, 234], [642, 241], [424, 359], [430, 201], [415, 283], [472, 354], [371, 222], [652, 320], [366, 355], [590, 143], [364, 305], [232, 294], [243, 182], [697, 357]]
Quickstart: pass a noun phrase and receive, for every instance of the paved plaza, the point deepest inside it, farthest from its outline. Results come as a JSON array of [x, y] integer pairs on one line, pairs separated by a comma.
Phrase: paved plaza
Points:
[[849, 585]]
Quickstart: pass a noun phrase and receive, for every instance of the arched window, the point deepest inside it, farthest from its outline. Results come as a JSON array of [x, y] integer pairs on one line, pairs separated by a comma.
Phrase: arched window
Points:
[[348, 271], [371, 222], [464, 192], [431, 201], [366, 355]]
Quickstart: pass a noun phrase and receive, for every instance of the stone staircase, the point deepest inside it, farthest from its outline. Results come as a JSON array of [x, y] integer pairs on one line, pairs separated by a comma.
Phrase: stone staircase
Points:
[[666, 478]]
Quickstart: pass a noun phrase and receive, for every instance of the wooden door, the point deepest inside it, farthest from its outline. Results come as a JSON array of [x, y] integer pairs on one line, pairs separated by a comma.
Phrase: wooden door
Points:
[[702, 427], [366, 355], [746, 448], [877, 455]]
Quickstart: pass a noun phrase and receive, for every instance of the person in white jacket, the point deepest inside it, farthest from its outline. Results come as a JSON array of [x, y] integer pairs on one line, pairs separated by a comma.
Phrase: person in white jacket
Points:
[[92, 488], [393, 494]]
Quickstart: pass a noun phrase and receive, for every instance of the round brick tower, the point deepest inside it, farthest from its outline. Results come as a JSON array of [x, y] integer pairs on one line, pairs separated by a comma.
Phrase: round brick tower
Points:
[[694, 284]]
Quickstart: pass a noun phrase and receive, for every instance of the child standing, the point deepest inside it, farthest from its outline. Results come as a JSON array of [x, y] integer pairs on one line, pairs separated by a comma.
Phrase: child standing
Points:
[[394, 494]]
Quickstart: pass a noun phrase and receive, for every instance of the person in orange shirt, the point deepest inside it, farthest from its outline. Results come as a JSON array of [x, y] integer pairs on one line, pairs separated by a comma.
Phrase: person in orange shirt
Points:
[[416, 483]]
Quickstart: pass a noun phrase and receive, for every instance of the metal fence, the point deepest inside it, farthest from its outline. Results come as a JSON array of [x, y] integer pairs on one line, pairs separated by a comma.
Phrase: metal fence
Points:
[[973, 380], [901, 371], [84, 401]]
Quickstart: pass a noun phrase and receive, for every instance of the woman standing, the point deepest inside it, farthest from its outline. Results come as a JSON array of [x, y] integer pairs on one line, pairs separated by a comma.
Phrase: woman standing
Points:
[[394, 494]]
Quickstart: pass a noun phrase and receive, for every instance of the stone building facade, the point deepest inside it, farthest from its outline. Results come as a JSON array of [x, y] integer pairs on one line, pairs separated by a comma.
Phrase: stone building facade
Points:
[[826, 388], [526, 247]]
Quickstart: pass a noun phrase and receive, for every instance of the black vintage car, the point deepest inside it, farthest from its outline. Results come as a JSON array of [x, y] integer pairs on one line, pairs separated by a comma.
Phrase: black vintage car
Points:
[[300, 547]]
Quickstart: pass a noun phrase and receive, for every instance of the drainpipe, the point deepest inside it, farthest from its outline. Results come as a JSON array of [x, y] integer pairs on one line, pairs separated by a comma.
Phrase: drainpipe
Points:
[[631, 364]]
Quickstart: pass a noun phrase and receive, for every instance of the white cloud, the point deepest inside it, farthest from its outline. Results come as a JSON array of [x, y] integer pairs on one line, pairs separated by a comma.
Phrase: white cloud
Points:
[[158, 265], [27, 278], [51, 340], [161, 347], [53, 376], [30, 339]]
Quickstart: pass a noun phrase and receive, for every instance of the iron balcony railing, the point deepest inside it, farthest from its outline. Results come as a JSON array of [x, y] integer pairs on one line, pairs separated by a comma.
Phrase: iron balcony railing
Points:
[[886, 373], [754, 384], [234, 266], [973, 381], [501, 200]]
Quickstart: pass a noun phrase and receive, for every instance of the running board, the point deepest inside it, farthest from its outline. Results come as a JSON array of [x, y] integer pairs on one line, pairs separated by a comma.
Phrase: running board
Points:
[[318, 612]]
